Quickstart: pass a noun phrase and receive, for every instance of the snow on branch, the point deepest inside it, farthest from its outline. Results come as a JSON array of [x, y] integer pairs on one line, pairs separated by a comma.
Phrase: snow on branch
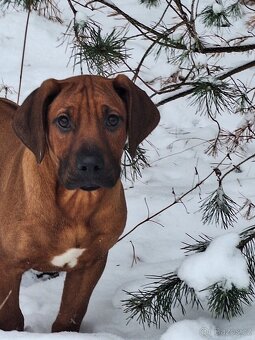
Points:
[[217, 274]]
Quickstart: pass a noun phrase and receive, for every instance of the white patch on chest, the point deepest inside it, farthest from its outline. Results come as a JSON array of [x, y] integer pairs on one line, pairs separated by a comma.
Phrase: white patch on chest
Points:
[[69, 258]]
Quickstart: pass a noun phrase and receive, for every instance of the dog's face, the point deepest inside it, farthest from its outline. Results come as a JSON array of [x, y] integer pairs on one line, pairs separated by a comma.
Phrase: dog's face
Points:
[[87, 131], [83, 123]]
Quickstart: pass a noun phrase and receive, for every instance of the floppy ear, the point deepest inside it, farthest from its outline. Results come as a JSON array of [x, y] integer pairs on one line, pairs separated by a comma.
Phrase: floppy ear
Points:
[[143, 116], [29, 122]]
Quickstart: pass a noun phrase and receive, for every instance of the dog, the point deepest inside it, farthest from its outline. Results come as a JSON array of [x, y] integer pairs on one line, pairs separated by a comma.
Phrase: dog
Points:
[[62, 203]]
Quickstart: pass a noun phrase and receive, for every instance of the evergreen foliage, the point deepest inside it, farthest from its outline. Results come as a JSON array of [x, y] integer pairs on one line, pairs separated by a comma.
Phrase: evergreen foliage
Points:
[[156, 302], [212, 96], [228, 303], [218, 208], [134, 166], [47, 8], [215, 18], [102, 53]]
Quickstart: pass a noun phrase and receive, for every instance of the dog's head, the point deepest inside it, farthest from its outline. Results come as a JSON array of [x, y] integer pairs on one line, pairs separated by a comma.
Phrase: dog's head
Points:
[[83, 122]]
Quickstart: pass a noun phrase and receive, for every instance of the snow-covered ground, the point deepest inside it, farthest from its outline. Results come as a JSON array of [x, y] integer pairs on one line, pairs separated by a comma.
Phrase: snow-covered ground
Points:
[[178, 149]]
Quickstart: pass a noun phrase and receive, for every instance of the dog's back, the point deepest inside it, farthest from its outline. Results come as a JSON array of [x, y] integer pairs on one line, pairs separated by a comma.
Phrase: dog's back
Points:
[[7, 110]]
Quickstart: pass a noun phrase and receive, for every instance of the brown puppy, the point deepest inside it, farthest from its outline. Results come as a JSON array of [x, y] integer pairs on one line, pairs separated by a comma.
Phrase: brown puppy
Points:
[[62, 205]]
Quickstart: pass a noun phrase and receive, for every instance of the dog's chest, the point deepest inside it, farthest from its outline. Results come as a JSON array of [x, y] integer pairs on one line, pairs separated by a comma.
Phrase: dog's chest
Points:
[[55, 248], [71, 248]]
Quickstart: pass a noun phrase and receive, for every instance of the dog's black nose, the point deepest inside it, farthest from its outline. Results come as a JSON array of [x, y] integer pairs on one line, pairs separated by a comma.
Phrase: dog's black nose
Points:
[[90, 164]]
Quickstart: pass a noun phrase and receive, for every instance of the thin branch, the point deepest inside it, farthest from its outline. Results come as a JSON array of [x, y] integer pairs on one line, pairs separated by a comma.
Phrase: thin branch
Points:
[[179, 199], [130, 19], [176, 200], [225, 49], [72, 7], [189, 89], [237, 166]]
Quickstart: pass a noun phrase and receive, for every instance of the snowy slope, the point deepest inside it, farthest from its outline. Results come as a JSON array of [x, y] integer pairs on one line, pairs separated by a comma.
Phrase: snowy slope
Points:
[[179, 143]]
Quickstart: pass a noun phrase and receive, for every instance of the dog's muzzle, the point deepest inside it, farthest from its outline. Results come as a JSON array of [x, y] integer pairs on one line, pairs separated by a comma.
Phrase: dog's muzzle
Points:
[[88, 172], [91, 168]]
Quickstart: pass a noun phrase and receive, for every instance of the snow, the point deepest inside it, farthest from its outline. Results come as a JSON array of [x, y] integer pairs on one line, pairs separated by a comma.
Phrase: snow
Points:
[[220, 262], [72, 336], [202, 329], [178, 161], [217, 8], [199, 329]]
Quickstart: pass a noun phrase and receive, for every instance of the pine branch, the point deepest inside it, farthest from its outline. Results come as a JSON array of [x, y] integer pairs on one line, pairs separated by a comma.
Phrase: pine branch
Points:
[[189, 89], [246, 246], [219, 208], [102, 53], [218, 19], [203, 241], [228, 303], [212, 96], [136, 164], [200, 245], [162, 37], [47, 8], [157, 301], [131, 20]]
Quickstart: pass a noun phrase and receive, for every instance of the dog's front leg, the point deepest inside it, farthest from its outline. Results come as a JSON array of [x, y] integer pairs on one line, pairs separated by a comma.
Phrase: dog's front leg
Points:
[[11, 317], [78, 287]]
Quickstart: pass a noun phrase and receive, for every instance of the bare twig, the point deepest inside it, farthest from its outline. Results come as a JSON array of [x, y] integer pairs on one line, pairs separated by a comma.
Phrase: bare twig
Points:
[[176, 200]]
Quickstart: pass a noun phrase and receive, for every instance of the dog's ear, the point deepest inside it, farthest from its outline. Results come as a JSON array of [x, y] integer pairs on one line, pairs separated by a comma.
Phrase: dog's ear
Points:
[[29, 122], [143, 116]]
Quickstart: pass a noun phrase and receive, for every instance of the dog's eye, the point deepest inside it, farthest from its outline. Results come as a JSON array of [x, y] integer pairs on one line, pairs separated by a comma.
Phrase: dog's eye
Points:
[[63, 121], [112, 121]]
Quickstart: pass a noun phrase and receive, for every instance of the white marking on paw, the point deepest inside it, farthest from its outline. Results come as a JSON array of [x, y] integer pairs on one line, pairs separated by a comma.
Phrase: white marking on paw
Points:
[[69, 257]]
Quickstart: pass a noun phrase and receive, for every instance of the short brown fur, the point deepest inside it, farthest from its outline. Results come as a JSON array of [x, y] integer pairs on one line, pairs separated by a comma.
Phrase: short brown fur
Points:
[[44, 213]]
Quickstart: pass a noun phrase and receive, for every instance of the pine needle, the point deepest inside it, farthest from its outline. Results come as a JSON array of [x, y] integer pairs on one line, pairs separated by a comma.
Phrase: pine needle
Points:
[[219, 208]]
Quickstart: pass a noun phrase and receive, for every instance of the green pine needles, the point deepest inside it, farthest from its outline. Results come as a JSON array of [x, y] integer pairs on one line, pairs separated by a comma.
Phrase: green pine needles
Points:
[[219, 16], [25, 4], [133, 166], [228, 303], [102, 53], [157, 301], [47, 8], [219, 208], [212, 96]]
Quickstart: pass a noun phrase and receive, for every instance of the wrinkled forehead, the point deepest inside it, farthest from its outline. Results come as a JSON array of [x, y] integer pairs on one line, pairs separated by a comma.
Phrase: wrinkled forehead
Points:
[[88, 93]]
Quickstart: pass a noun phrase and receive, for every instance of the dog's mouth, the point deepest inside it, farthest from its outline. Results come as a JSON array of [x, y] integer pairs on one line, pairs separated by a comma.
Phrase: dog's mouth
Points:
[[90, 188]]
